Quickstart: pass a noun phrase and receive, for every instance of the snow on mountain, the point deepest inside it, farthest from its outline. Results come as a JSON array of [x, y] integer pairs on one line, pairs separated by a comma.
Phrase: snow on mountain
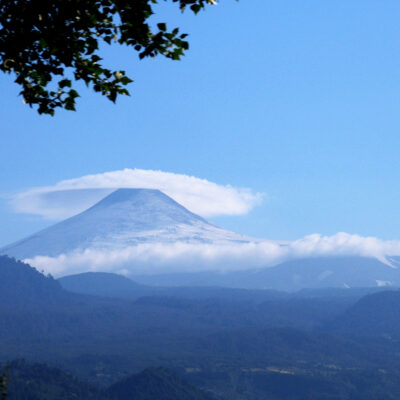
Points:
[[126, 217], [143, 233]]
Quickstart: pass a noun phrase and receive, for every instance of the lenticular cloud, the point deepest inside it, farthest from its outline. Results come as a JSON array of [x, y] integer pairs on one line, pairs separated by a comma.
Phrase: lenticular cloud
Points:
[[72, 196]]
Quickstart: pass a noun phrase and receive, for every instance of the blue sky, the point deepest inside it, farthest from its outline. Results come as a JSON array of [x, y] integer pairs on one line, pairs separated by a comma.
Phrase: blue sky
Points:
[[299, 101]]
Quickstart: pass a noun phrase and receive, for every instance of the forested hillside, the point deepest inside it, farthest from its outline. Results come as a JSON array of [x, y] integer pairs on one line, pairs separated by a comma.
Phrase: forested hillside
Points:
[[235, 345], [39, 381]]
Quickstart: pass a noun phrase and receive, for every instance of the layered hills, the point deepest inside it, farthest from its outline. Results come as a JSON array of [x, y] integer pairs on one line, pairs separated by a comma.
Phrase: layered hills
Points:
[[239, 345], [220, 333], [317, 272]]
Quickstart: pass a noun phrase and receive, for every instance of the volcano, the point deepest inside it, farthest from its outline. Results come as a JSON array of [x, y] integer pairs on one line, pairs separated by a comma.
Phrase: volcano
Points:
[[126, 217], [139, 232]]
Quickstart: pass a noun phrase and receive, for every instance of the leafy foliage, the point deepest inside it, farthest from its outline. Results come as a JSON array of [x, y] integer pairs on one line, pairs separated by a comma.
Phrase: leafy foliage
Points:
[[4, 385], [50, 43]]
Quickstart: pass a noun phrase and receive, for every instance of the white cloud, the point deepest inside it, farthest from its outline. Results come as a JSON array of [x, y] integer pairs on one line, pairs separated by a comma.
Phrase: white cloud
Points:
[[203, 197], [344, 244], [72, 196], [161, 258], [185, 257]]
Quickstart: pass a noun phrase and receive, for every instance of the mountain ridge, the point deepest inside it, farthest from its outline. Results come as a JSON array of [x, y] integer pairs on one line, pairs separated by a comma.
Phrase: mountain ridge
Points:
[[126, 217]]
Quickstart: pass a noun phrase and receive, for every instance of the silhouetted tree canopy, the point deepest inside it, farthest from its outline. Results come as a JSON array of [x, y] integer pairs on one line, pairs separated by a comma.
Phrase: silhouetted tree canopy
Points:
[[3, 384], [49, 44]]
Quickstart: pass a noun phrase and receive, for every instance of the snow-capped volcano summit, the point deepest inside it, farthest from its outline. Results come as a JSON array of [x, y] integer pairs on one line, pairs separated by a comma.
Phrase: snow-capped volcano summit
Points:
[[126, 217], [143, 232]]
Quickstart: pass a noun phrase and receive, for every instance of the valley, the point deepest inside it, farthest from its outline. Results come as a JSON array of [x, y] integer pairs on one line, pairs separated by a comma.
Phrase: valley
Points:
[[230, 343]]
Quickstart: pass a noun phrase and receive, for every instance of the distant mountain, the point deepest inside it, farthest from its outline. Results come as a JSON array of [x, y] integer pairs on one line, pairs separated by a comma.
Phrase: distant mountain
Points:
[[104, 284], [377, 314], [155, 384], [117, 286], [321, 272], [124, 218]]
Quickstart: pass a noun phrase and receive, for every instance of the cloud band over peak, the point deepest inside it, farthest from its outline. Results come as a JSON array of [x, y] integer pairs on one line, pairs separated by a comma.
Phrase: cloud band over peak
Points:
[[69, 197], [153, 258]]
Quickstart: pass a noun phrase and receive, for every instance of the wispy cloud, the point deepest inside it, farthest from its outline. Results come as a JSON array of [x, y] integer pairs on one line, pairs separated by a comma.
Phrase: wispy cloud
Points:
[[72, 196], [184, 257]]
